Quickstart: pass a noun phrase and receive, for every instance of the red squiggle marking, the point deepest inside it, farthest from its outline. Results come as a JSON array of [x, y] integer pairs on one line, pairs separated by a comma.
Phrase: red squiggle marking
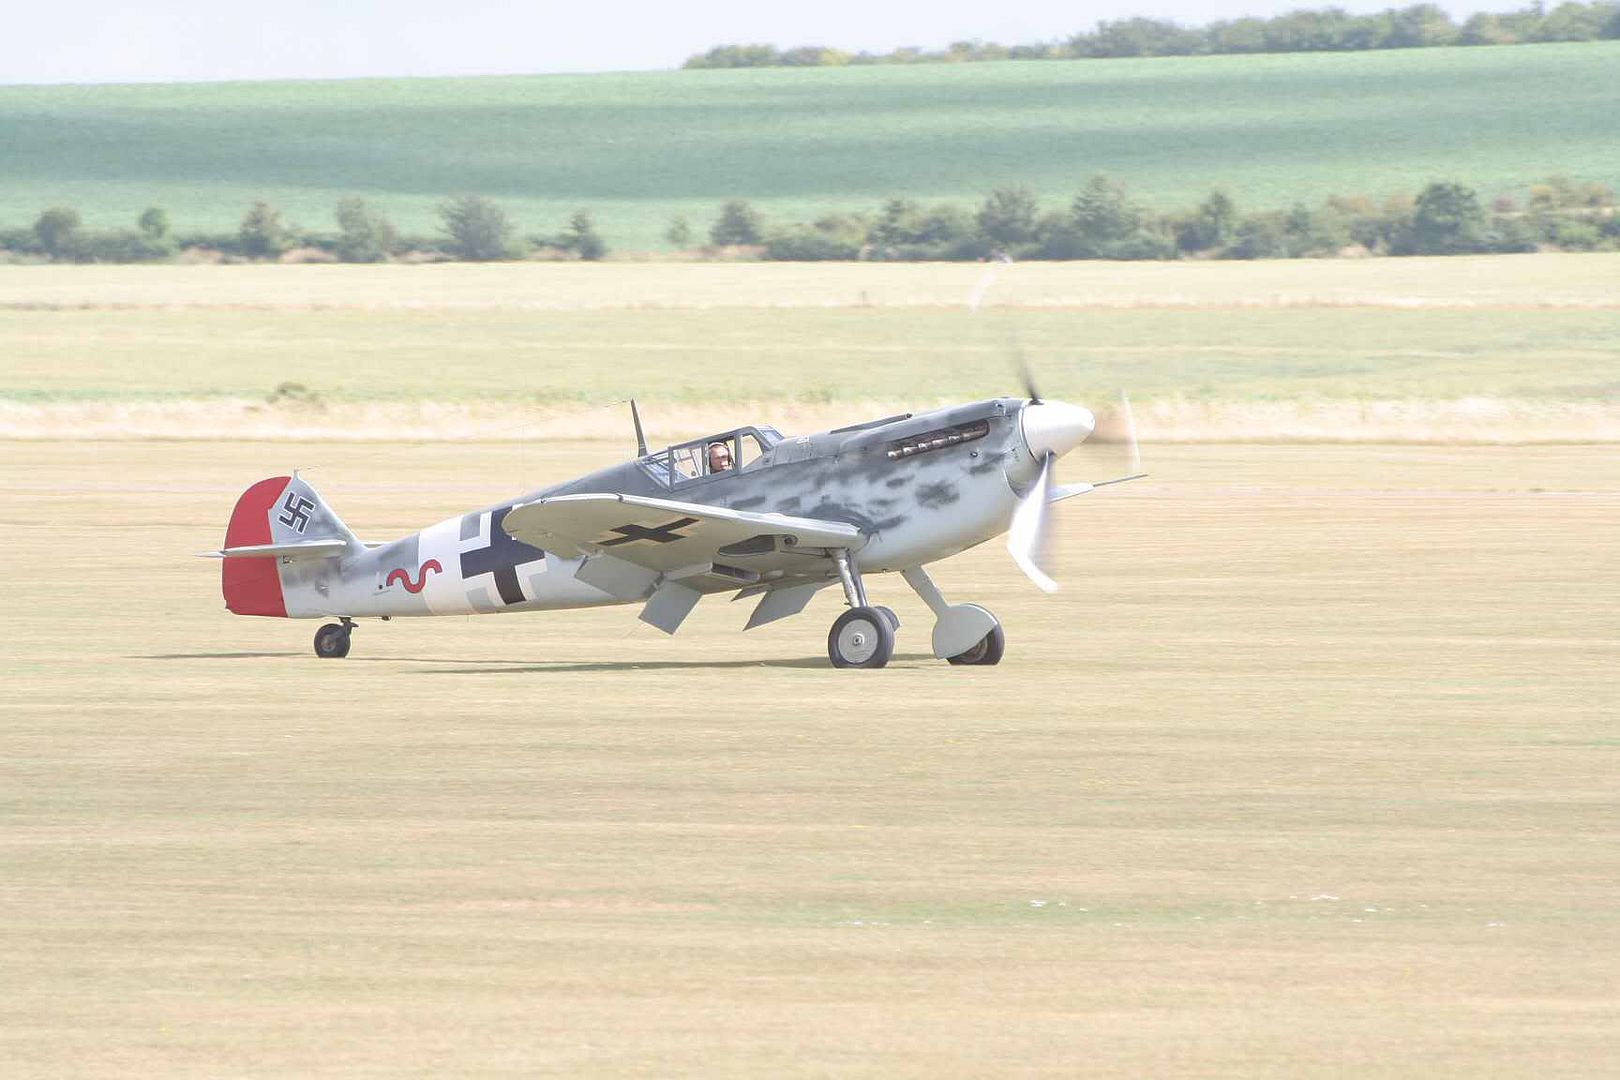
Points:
[[404, 578]]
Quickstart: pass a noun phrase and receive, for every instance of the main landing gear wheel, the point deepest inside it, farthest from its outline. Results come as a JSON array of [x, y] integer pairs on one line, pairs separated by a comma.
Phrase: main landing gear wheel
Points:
[[332, 641], [987, 650], [861, 638], [888, 613]]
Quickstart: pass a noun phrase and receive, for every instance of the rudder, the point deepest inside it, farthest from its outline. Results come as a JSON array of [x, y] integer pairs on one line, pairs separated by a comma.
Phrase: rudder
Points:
[[279, 510]]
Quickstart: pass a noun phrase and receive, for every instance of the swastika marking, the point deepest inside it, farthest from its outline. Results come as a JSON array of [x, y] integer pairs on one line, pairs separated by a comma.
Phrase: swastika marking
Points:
[[295, 512]]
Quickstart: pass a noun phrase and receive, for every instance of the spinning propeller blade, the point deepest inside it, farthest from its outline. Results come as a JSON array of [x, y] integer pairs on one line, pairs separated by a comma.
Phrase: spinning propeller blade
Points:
[[1058, 430], [1028, 538], [1028, 376], [1130, 430]]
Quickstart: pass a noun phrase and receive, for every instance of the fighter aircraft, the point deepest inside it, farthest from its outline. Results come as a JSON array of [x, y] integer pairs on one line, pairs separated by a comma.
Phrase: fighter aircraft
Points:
[[747, 512]]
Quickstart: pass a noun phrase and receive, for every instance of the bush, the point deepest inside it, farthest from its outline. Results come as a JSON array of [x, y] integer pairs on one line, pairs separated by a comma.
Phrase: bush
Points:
[[840, 237], [1007, 217], [1208, 227], [679, 233], [1447, 220], [1575, 235], [1326, 232], [582, 238], [1259, 236], [1510, 235], [125, 246], [735, 56], [21, 241], [1143, 244], [739, 223], [1104, 224], [363, 235], [906, 232], [57, 231], [262, 235], [1101, 215], [478, 230], [154, 223]]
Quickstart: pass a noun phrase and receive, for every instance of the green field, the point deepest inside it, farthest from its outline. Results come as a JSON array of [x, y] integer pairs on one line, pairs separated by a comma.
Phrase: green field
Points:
[[639, 148]]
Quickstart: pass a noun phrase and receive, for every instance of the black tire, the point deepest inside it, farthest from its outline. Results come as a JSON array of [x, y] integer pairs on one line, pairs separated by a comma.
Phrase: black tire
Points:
[[861, 638], [888, 613], [332, 641], [988, 650]]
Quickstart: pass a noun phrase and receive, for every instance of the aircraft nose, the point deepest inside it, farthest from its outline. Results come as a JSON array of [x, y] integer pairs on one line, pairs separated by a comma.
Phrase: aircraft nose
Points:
[[1055, 427]]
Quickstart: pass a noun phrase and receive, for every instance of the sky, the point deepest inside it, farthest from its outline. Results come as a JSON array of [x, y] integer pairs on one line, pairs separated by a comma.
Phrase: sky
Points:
[[74, 41]]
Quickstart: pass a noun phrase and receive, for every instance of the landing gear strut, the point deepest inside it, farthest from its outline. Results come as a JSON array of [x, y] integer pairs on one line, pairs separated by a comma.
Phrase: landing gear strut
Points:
[[863, 636], [332, 640], [963, 633]]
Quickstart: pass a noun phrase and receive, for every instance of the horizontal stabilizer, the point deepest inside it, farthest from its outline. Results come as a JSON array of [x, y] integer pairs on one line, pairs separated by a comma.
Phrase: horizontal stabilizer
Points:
[[299, 549]]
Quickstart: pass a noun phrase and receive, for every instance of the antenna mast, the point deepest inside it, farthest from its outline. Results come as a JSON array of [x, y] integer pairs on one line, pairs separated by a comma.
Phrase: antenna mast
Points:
[[641, 440]]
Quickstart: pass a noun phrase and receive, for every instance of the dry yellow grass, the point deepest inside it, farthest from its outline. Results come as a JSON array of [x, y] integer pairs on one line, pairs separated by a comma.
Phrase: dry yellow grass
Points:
[[1487, 350], [1309, 771], [1541, 281], [1479, 420]]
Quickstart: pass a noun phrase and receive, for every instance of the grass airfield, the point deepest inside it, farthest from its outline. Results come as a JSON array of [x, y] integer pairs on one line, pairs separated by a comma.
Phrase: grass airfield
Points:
[[1498, 349], [1309, 770]]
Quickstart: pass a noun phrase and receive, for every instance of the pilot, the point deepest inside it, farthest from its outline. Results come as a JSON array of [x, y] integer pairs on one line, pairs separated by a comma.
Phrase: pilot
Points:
[[719, 457]]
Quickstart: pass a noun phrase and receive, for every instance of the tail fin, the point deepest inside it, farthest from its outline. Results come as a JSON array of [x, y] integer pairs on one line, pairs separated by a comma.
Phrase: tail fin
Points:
[[276, 516]]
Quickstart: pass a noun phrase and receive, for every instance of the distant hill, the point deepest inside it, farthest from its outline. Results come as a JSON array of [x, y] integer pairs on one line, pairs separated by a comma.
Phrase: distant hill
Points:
[[640, 148]]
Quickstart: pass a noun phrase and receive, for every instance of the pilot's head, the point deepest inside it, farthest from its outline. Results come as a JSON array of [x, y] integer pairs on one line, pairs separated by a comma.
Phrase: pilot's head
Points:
[[719, 457]]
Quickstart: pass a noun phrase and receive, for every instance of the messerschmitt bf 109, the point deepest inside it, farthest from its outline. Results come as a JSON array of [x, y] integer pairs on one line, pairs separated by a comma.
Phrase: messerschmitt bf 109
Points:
[[747, 512]]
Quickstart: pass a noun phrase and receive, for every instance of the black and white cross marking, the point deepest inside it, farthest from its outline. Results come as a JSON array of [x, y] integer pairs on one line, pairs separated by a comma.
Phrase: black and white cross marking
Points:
[[295, 512], [500, 559], [658, 534]]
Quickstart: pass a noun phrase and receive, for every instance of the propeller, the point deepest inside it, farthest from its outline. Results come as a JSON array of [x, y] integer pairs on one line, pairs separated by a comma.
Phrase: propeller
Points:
[[1027, 375], [1130, 431], [1051, 429], [1020, 359], [1028, 538]]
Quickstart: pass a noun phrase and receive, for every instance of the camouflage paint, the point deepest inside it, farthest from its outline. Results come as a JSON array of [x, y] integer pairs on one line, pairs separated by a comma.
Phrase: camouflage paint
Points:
[[914, 510]]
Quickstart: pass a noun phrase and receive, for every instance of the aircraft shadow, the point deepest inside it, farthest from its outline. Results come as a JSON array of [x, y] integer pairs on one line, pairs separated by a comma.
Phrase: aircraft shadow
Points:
[[519, 667], [218, 655], [563, 666]]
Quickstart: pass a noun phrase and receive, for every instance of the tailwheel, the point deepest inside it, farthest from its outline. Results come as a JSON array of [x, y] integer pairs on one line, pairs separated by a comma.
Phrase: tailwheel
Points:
[[332, 640], [987, 650], [862, 637]]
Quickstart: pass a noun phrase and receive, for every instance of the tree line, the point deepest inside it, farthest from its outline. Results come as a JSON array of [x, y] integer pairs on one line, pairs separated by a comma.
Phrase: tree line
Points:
[[1101, 221], [1329, 29], [473, 228]]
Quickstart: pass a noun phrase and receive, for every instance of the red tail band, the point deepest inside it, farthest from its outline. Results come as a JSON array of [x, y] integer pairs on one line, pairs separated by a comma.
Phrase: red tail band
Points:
[[253, 586]]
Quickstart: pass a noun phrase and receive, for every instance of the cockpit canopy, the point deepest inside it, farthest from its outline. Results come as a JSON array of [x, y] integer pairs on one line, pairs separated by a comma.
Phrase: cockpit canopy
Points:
[[714, 455]]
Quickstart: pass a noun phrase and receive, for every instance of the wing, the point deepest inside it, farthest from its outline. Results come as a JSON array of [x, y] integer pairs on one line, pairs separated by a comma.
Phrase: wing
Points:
[[665, 535]]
